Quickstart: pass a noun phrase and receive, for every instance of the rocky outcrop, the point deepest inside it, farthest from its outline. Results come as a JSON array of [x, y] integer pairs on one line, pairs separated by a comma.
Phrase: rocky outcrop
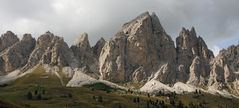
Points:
[[139, 75], [197, 75], [98, 47], [142, 44], [51, 50], [82, 43], [17, 55], [223, 67], [41, 45], [7, 40], [192, 48], [230, 56], [166, 74], [84, 54], [58, 53]]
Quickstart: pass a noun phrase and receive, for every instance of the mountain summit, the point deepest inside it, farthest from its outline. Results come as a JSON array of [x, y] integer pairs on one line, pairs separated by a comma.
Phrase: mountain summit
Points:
[[141, 52]]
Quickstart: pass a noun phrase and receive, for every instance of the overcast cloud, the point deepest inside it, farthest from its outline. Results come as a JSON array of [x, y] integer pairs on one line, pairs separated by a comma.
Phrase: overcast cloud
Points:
[[217, 21]]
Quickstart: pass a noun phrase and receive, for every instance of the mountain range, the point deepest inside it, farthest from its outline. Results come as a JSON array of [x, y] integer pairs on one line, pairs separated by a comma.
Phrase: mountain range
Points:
[[140, 53]]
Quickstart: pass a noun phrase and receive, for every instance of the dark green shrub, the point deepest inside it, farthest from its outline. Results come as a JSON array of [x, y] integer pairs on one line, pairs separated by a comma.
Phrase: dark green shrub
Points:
[[29, 95]]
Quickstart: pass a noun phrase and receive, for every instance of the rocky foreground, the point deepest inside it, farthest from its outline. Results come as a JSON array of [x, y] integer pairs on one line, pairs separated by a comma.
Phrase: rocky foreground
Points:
[[141, 52]]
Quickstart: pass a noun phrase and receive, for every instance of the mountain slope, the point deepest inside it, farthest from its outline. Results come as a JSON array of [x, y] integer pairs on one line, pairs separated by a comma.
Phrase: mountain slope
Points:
[[55, 95], [140, 53]]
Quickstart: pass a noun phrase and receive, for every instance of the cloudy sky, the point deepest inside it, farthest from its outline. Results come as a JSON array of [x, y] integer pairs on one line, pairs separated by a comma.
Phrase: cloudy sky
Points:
[[217, 21]]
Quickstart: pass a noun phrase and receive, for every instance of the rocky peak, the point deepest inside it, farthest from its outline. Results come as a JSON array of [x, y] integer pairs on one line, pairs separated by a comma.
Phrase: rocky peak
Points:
[[82, 42], [137, 50], [193, 32], [58, 39], [7, 40], [27, 37], [45, 39], [157, 27], [135, 24], [17, 55], [82, 46], [84, 54], [143, 23], [98, 47], [48, 50], [186, 39], [27, 42], [59, 53], [189, 47], [231, 53], [224, 67]]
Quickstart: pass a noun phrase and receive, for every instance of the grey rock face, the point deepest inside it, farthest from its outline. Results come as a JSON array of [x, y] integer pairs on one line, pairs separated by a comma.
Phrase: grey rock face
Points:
[[231, 57], [190, 46], [139, 52], [58, 53], [142, 43], [197, 72], [82, 42], [98, 47], [41, 45], [84, 54], [166, 74], [139, 75], [223, 67], [7, 40], [17, 55], [52, 50]]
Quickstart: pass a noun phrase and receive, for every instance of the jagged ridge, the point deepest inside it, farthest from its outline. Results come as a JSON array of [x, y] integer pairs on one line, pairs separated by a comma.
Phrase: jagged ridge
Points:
[[140, 52]]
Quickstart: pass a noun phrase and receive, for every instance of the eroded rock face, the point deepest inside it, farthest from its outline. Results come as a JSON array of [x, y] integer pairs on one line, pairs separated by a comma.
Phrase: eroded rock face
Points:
[[190, 47], [51, 50], [231, 57], [84, 54], [7, 40], [139, 52], [166, 74], [139, 75], [142, 43], [17, 55], [58, 53], [198, 74], [82, 42], [41, 45], [223, 67], [98, 47]]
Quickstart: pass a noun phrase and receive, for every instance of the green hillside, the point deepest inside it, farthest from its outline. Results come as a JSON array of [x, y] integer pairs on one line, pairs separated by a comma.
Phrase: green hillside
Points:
[[41, 90]]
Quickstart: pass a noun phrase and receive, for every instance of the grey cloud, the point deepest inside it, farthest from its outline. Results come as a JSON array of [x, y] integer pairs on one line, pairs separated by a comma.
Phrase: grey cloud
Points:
[[214, 20]]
